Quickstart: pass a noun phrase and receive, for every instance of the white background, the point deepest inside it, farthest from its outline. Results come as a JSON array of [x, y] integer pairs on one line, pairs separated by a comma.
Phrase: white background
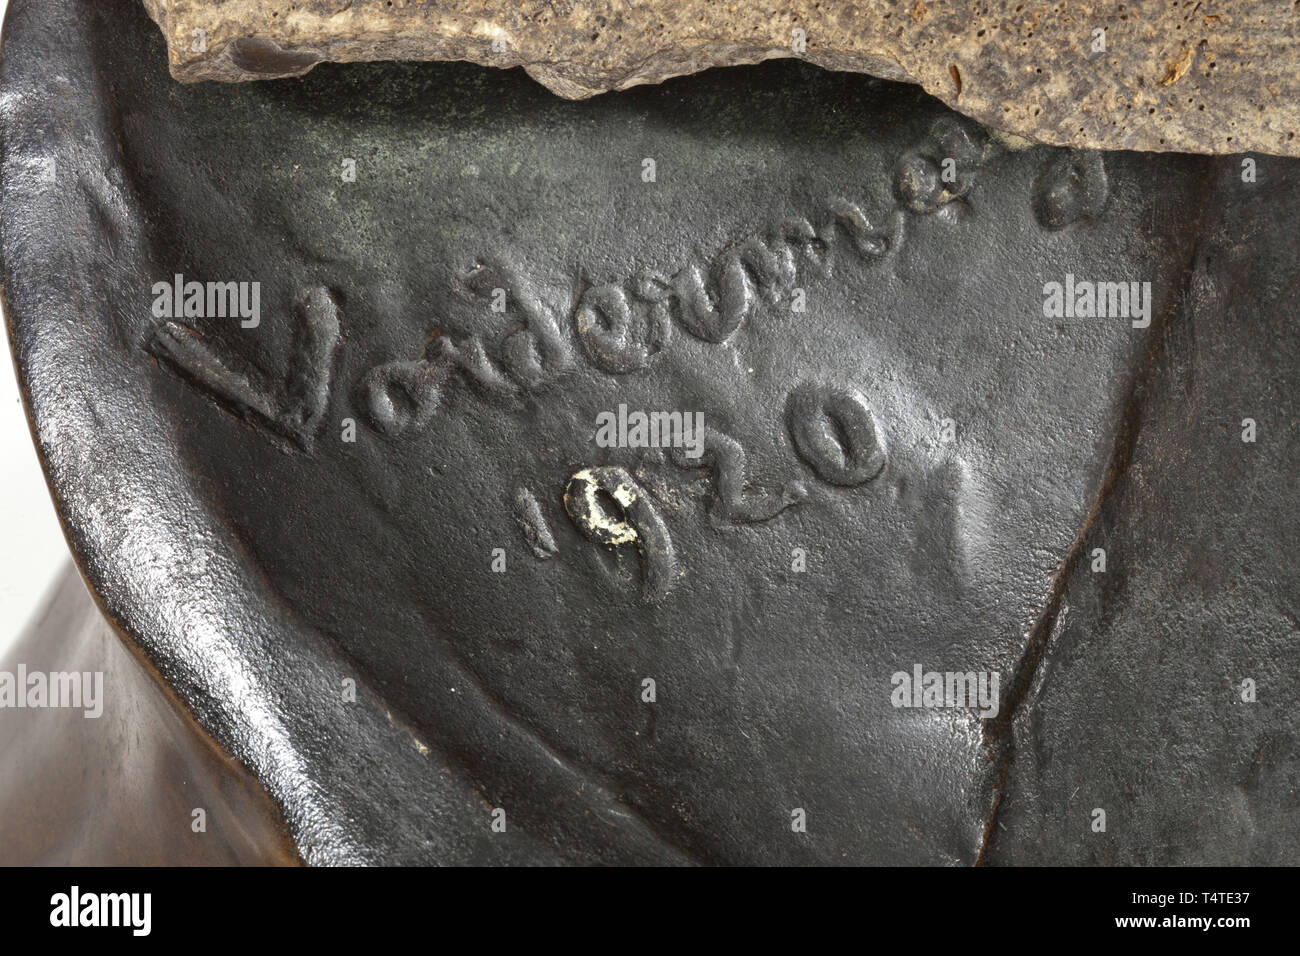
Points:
[[32, 550]]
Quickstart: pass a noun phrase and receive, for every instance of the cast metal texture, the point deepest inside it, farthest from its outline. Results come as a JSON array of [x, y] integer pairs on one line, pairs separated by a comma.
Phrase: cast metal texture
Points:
[[915, 469]]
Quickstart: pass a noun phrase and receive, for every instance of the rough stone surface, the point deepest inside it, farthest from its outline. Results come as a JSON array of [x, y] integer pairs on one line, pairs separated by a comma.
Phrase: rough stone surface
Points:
[[1188, 77], [913, 469]]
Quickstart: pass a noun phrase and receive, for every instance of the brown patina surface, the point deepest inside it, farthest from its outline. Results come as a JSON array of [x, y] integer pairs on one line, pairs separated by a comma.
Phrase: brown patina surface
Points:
[[120, 788]]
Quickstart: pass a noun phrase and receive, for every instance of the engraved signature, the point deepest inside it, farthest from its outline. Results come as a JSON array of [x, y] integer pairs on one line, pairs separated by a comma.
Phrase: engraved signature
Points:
[[620, 328]]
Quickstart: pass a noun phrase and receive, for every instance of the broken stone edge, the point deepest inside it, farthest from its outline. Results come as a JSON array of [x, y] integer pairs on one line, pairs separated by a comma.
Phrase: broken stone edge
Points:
[[1160, 92]]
